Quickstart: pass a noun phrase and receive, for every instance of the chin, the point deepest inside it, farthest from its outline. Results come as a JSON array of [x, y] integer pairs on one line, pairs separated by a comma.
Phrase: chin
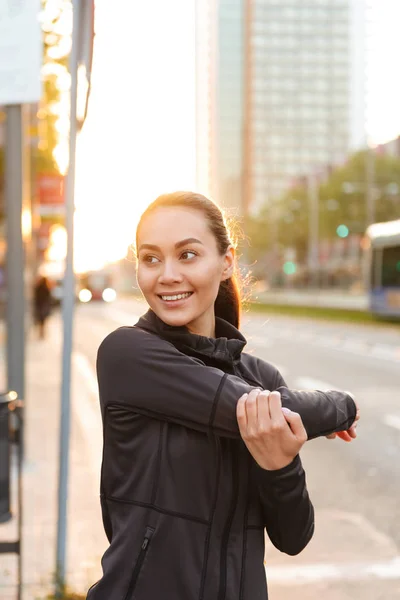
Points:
[[174, 320]]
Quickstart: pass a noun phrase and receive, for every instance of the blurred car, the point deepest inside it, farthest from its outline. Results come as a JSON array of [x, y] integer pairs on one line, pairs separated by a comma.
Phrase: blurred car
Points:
[[97, 286]]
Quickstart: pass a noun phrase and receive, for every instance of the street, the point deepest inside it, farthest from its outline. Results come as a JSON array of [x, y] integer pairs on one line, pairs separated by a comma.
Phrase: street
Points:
[[355, 488]]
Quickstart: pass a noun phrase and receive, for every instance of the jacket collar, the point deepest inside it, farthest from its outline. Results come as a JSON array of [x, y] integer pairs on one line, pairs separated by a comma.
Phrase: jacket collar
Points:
[[227, 346]]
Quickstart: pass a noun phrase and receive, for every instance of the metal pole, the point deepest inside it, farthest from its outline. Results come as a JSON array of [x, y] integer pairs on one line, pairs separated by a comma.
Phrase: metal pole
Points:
[[67, 310], [15, 182], [14, 191], [313, 227], [370, 186]]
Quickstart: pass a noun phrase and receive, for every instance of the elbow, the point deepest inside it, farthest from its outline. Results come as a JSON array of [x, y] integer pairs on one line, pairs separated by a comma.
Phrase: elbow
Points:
[[294, 546]]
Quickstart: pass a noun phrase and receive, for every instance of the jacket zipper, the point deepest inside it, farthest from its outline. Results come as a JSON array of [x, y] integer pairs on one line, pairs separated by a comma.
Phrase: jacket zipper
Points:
[[139, 562], [227, 530]]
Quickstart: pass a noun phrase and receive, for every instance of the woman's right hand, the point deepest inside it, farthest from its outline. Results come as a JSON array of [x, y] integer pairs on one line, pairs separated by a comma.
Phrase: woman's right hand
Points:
[[273, 435]]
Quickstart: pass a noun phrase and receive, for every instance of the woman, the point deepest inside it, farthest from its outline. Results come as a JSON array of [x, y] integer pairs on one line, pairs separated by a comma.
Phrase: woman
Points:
[[199, 455]]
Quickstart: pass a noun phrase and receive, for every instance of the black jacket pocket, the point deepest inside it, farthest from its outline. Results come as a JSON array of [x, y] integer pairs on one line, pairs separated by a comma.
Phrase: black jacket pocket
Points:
[[138, 566]]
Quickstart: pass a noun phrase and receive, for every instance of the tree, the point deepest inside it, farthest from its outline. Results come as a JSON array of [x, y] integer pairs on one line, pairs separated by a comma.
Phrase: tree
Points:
[[57, 27], [341, 199]]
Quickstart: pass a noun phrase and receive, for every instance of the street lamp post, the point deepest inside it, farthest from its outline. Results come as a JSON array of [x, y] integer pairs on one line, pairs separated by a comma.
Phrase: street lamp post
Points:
[[370, 185], [313, 227]]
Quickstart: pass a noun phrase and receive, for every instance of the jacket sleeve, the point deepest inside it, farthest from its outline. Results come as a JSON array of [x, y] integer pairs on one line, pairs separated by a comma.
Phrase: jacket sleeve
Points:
[[318, 410], [150, 376], [287, 509]]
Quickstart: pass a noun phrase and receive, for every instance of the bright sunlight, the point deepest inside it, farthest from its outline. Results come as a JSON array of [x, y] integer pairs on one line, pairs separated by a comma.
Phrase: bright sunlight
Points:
[[139, 138]]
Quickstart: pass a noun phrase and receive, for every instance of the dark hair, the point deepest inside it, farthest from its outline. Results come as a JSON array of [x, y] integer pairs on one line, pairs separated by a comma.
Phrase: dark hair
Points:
[[228, 303]]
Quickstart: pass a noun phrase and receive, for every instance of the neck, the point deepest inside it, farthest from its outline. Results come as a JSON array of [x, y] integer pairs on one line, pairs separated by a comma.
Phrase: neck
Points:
[[204, 326]]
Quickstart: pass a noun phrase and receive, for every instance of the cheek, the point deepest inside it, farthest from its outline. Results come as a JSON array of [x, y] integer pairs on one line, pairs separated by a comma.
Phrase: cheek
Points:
[[208, 279], [144, 279]]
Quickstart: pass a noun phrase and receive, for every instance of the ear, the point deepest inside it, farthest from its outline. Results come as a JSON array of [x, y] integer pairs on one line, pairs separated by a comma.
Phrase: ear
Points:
[[228, 264]]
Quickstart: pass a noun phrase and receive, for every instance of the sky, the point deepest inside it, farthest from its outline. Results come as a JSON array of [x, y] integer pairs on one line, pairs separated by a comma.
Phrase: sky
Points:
[[139, 137], [383, 81]]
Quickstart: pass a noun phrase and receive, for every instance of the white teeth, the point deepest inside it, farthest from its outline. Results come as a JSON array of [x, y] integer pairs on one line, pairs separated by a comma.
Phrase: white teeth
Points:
[[177, 297]]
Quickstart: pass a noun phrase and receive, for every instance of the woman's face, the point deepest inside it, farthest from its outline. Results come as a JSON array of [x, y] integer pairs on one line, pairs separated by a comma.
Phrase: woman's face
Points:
[[180, 269]]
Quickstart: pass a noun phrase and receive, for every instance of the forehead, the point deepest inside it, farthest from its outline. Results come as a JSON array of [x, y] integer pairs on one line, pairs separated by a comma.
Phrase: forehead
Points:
[[168, 225]]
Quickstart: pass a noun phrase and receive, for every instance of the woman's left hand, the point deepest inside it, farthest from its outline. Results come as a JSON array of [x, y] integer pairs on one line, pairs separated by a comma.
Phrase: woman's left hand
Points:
[[273, 435]]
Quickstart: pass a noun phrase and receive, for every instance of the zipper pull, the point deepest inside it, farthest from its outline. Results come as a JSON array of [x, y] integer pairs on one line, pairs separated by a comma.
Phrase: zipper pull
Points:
[[147, 537], [145, 543]]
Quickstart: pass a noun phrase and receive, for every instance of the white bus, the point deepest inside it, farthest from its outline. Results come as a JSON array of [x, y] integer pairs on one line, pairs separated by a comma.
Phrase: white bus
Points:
[[382, 268]]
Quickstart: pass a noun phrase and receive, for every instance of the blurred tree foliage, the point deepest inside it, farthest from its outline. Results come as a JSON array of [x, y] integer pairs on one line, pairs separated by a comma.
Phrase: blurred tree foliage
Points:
[[56, 25], [342, 200]]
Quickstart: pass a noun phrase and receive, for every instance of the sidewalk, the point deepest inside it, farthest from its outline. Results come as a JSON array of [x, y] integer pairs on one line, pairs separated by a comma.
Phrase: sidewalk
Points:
[[86, 540]]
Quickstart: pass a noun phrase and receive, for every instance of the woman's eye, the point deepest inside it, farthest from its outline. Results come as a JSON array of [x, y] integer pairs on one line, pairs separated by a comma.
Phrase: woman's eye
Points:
[[150, 259], [188, 254]]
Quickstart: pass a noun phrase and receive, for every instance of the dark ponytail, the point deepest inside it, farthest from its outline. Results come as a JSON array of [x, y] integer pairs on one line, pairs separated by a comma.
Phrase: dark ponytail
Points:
[[228, 303]]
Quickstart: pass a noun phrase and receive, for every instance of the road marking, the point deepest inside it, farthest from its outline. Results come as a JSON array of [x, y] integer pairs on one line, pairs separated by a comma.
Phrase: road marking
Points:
[[308, 383], [392, 421], [314, 573], [87, 410], [82, 363]]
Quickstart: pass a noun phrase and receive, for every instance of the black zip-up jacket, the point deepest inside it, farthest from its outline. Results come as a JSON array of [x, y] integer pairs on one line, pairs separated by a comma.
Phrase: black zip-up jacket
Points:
[[184, 503]]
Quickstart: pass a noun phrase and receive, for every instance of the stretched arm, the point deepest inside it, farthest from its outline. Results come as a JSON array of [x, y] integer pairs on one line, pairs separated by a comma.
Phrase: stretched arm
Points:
[[149, 375], [346, 434]]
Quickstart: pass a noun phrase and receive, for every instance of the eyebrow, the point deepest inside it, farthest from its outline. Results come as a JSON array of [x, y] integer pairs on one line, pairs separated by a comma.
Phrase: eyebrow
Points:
[[177, 245]]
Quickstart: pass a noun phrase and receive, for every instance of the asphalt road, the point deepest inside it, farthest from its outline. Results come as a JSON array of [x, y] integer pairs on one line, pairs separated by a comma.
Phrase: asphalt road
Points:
[[355, 487]]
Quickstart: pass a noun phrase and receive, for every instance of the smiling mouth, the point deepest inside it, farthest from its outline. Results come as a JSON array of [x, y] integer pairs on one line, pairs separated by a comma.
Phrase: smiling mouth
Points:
[[174, 297]]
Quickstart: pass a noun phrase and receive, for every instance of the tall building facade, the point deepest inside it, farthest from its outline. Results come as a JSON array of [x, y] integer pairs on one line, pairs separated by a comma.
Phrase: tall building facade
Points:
[[220, 100], [287, 93]]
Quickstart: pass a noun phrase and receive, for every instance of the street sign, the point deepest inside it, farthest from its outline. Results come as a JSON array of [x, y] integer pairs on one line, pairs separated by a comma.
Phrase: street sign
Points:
[[50, 192], [21, 50]]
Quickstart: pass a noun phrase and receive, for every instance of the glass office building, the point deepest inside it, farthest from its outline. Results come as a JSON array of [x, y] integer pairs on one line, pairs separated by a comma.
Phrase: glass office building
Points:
[[302, 92], [220, 100], [287, 93]]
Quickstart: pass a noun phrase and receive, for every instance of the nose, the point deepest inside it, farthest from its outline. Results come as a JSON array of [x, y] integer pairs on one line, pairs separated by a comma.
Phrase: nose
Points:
[[170, 273]]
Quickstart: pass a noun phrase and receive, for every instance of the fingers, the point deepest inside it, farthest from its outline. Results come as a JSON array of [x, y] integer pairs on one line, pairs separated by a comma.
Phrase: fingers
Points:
[[241, 414], [344, 435], [263, 410], [296, 424], [252, 411], [246, 411], [275, 408]]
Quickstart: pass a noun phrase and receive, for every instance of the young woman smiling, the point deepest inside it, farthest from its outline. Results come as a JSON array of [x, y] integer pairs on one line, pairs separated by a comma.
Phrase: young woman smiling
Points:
[[201, 440]]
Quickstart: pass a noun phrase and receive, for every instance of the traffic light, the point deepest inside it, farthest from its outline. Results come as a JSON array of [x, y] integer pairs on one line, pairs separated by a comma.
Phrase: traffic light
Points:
[[289, 268], [342, 231]]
